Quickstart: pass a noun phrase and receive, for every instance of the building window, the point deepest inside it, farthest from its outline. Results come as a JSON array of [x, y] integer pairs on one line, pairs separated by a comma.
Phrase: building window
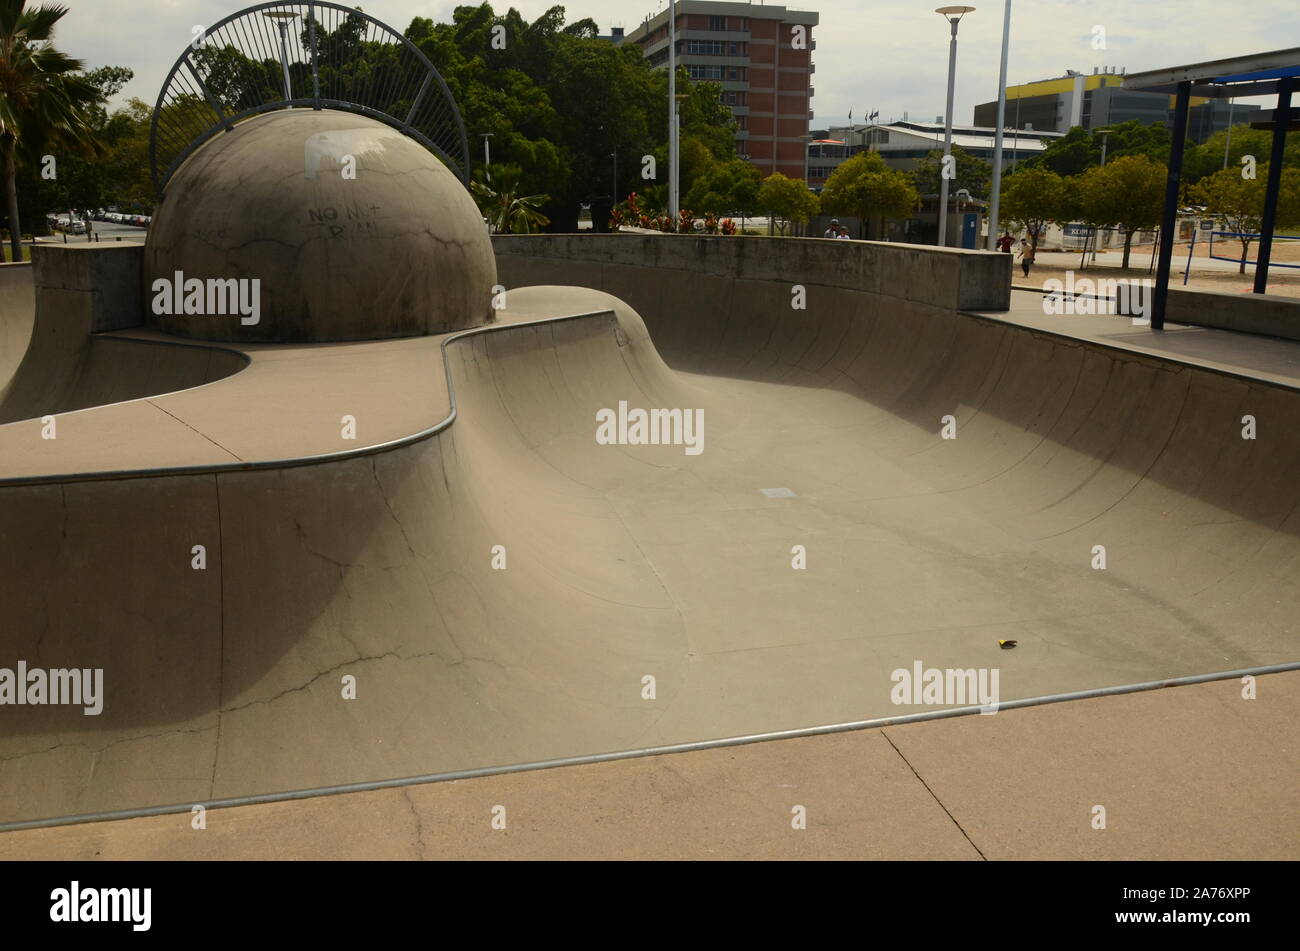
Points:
[[744, 24], [716, 48], [717, 24], [706, 47], [705, 73]]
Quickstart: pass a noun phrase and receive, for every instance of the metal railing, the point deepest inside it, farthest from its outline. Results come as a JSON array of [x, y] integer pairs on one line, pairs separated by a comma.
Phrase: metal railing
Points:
[[305, 53]]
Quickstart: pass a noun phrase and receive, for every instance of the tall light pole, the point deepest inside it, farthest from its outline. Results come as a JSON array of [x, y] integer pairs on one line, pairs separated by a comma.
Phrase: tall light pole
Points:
[[1228, 144], [673, 199], [995, 209], [487, 155], [282, 19], [1105, 141], [953, 15]]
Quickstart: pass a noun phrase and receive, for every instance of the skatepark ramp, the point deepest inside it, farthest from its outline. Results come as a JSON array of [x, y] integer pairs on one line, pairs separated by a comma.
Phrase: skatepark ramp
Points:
[[481, 580], [55, 356], [17, 307]]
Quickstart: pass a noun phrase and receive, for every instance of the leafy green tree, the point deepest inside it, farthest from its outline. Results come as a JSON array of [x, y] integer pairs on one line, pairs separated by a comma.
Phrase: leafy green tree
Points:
[[866, 187], [506, 210], [559, 103], [1072, 154], [1239, 202], [1204, 160], [973, 174], [1033, 197], [728, 187], [1132, 138], [42, 100], [88, 183], [1128, 193], [1078, 150], [788, 200]]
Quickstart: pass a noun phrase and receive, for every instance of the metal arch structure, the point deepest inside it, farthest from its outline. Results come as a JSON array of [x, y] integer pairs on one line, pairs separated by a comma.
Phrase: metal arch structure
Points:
[[302, 53]]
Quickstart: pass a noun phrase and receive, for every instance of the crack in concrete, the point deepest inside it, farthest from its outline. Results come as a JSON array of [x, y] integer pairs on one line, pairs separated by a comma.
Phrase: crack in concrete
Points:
[[98, 750], [419, 823], [891, 742]]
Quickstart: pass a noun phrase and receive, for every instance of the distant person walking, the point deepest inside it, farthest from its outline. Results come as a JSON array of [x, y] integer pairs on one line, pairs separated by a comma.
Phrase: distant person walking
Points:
[[1026, 255], [834, 230], [1005, 242]]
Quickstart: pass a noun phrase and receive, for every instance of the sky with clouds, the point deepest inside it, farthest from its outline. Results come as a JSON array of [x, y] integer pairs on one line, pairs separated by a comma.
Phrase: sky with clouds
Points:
[[889, 55]]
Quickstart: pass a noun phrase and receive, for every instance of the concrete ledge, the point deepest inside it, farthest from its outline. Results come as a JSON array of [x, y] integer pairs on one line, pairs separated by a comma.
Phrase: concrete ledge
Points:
[[940, 277], [1244, 313], [103, 281]]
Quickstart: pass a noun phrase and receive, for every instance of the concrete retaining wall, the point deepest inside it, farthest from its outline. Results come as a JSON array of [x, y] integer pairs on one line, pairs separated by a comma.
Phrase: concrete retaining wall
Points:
[[938, 277], [95, 287], [1245, 313]]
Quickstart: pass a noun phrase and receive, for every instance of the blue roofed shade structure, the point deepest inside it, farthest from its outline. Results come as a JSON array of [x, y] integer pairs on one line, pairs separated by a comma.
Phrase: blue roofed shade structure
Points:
[[1260, 74]]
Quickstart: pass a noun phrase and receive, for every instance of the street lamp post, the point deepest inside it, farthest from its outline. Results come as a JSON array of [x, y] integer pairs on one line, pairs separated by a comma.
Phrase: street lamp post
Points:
[[1105, 141], [282, 19], [995, 208], [673, 198], [953, 15], [1228, 144]]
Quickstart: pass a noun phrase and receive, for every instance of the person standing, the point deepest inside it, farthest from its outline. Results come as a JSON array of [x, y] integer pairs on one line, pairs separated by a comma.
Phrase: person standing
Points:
[[834, 230], [1005, 242], [1026, 255]]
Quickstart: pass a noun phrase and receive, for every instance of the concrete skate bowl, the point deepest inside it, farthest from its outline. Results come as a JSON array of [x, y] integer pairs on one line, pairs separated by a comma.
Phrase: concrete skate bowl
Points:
[[17, 307], [55, 359], [628, 562]]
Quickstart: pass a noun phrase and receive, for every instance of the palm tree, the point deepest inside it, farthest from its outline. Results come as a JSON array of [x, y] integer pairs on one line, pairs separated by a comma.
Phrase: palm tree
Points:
[[507, 211], [41, 100]]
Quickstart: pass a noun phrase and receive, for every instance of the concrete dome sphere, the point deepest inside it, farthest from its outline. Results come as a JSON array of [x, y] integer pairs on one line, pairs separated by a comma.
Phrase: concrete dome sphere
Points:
[[334, 225]]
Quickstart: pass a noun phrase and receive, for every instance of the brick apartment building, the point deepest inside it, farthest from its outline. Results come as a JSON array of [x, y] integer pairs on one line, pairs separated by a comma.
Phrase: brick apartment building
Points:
[[766, 82]]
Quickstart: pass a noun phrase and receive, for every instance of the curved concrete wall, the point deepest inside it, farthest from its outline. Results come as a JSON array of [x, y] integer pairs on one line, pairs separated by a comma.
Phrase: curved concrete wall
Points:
[[17, 310], [66, 362]]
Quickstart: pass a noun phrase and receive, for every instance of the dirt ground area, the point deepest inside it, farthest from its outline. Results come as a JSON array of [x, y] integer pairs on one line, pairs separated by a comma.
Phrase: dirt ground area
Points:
[[1207, 274]]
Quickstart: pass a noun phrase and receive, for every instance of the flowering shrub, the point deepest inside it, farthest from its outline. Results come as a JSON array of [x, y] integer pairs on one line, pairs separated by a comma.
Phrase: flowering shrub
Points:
[[630, 213], [627, 212]]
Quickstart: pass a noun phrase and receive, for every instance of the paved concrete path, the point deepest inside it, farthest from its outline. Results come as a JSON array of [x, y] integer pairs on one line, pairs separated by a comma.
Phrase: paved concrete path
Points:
[[1191, 772]]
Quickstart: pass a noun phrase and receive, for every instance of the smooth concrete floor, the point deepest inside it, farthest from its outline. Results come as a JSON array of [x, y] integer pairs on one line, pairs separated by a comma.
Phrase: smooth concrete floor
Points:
[[1192, 772]]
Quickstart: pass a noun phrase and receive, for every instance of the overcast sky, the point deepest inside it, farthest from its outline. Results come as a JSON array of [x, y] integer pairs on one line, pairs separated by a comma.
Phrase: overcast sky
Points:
[[889, 55]]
